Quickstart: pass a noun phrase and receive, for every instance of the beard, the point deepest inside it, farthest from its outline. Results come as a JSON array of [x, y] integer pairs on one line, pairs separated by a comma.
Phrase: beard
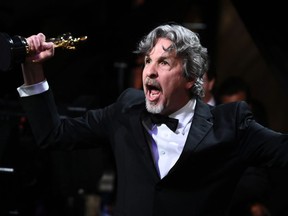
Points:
[[153, 107]]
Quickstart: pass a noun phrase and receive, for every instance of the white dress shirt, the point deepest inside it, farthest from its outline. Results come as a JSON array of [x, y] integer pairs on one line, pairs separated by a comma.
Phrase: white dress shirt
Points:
[[166, 146], [27, 90], [212, 101]]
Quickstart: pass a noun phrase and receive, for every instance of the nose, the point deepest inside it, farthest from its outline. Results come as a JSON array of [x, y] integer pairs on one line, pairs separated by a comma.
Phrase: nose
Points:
[[150, 70]]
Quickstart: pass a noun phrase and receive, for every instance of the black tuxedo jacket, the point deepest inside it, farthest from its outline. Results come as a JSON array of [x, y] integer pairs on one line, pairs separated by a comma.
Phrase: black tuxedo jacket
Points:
[[222, 142]]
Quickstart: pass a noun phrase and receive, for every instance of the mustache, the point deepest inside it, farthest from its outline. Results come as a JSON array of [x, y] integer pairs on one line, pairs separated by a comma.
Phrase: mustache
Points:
[[152, 83]]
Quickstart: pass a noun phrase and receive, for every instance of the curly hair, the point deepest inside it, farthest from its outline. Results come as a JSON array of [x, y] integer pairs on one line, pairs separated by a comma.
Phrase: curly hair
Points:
[[187, 45]]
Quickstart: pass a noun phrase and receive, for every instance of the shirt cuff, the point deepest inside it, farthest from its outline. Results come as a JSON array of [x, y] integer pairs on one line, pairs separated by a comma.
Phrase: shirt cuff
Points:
[[28, 90]]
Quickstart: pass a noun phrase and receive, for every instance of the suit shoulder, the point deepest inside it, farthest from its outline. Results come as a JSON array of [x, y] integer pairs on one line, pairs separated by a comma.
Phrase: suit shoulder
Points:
[[233, 105], [231, 110], [131, 97]]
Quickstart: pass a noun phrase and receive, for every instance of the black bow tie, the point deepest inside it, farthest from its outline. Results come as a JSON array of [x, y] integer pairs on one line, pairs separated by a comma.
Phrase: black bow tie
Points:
[[161, 119]]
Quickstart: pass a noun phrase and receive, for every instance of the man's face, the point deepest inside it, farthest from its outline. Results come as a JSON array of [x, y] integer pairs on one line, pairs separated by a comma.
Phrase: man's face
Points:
[[165, 88]]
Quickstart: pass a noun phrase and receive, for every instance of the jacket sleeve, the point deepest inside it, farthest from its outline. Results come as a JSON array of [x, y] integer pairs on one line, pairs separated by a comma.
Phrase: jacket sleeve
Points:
[[62, 132], [260, 145]]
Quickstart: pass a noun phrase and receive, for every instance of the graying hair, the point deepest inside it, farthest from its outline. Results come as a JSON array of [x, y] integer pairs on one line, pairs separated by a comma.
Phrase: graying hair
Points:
[[187, 45]]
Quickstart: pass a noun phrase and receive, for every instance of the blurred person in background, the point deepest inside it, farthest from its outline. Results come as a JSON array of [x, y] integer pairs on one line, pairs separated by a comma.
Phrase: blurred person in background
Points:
[[254, 185], [234, 88], [209, 79]]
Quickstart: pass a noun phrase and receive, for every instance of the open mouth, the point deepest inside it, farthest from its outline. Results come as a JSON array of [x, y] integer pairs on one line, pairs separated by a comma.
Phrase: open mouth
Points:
[[153, 90]]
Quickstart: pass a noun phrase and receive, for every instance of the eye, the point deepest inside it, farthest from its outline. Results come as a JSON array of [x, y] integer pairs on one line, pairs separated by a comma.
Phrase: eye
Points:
[[164, 62], [147, 60]]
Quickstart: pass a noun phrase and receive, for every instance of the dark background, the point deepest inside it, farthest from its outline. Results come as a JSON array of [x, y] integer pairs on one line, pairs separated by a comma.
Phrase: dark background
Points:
[[244, 38], [113, 29]]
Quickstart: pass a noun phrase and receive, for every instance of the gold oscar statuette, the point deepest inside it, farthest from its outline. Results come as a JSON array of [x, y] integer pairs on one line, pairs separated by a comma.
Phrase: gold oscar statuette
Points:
[[67, 41], [13, 50]]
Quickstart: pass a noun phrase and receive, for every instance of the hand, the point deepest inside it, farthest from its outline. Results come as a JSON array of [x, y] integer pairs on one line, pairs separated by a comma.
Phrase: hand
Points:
[[39, 49]]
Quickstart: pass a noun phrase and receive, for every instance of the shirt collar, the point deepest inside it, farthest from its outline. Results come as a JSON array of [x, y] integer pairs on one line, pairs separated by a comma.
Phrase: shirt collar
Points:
[[185, 114]]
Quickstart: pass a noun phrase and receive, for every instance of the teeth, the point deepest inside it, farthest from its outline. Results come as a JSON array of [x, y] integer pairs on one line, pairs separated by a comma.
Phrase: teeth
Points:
[[154, 92]]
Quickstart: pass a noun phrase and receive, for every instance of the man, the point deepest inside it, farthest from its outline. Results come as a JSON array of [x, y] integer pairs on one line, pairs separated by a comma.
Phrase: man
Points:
[[209, 79], [190, 169], [254, 185], [234, 88]]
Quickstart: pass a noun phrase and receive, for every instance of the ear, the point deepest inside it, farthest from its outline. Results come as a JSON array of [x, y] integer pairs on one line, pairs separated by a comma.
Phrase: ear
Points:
[[190, 83]]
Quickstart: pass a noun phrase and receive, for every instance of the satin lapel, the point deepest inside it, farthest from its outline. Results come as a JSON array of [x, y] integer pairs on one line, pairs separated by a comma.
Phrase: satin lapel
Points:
[[201, 124], [139, 133]]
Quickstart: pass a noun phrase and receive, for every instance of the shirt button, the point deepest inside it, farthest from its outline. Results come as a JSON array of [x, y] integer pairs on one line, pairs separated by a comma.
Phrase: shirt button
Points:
[[163, 153]]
